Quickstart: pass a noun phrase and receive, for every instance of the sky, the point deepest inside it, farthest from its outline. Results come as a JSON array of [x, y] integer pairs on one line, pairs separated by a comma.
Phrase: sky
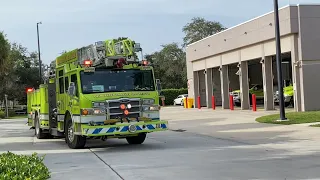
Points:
[[70, 24]]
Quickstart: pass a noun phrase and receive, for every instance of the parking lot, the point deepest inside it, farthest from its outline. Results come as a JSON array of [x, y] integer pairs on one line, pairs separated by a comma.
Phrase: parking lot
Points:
[[220, 144]]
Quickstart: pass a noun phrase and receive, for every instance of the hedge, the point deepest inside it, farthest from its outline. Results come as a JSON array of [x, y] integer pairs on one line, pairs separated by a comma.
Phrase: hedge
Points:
[[171, 94], [2, 114], [11, 113], [22, 167]]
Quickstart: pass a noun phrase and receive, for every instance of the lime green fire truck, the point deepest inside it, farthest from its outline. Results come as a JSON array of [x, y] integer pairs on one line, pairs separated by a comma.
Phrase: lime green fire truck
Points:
[[98, 91]]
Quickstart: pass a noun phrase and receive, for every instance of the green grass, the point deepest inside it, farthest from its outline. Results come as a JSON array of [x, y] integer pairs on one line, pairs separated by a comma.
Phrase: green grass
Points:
[[18, 117], [293, 117]]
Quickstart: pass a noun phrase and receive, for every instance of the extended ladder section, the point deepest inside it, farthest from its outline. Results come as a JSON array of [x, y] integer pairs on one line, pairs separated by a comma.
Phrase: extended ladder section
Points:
[[102, 54]]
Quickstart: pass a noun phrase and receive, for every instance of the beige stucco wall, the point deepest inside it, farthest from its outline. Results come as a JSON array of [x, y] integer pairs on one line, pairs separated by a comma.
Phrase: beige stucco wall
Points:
[[252, 32], [255, 39]]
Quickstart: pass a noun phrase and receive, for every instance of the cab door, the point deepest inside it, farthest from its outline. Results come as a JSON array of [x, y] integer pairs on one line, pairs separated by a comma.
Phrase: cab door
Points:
[[61, 93], [74, 103]]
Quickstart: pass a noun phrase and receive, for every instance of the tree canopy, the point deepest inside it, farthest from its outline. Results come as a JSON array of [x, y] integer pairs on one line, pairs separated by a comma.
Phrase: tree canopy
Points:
[[200, 28], [19, 69], [170, 66], [170, 62]]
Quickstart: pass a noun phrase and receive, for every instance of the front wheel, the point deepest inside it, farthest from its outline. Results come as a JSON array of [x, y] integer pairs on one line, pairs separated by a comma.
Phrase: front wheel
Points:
[[137, 139], [73, 141]]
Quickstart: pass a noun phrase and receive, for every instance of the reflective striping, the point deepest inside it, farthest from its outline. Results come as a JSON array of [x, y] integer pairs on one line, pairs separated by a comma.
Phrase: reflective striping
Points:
[[150, 126], [122, 129], [163, 126], [97, 131]]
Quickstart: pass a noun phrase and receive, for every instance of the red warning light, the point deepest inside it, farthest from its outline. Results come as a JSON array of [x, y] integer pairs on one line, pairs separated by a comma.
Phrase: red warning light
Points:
[[126, 112], [122, 106], [29, 89], [145, 62], [87, 62], [121, 62]]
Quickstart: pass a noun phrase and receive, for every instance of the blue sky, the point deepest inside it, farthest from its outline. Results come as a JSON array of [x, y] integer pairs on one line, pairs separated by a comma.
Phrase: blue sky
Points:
[[68, 24]]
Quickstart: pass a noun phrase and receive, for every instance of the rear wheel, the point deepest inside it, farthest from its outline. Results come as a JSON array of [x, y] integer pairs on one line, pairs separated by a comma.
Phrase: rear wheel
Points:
[[38, 130], [137, 139], [73, 141]]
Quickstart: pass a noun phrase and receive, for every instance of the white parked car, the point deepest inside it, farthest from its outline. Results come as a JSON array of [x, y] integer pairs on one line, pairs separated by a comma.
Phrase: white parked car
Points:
[[179, 99]]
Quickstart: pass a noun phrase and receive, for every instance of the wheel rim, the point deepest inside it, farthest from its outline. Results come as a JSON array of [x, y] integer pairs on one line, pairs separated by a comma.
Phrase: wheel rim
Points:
[[70, 133]]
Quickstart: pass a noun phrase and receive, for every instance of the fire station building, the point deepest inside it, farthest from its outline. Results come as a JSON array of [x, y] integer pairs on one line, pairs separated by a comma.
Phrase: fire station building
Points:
[[243, 56]]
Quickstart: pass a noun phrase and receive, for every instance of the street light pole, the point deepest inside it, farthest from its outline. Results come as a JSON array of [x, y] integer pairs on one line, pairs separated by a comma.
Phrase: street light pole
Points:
[[279, 60], [40, 80]]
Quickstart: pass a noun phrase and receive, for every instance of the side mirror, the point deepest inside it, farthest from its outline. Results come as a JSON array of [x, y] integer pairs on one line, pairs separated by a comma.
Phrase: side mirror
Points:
[[159, 86], [137, 47], [72, 89]]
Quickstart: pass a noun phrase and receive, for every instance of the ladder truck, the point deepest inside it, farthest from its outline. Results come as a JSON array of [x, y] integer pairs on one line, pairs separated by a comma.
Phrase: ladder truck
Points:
[[98, 91]]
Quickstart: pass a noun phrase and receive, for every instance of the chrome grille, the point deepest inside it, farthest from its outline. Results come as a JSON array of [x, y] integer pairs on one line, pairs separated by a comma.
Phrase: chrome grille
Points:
[[114, 111]]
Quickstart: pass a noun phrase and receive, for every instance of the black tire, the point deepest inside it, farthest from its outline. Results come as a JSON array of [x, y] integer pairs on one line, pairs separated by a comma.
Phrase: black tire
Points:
[[137, 139], [73, 141], [37, 130], [237, 104], [286, 104]]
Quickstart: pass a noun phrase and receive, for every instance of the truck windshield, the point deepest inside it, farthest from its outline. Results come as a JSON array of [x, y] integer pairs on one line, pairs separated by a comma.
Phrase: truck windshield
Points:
[[103, 80]]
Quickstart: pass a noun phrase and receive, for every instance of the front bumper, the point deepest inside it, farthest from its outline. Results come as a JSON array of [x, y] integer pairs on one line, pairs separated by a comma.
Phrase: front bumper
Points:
[[123, 128], [286, 99]]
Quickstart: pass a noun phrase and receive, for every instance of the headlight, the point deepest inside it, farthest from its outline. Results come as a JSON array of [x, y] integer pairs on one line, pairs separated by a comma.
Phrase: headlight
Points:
[[151, 108], [93, 111], [98, 104], [148, 101]]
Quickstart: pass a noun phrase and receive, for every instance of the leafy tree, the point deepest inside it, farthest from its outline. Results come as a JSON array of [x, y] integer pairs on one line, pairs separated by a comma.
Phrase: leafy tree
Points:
[[5, 66], [4, 50], [200, 28], [18, 69], [169, 66]]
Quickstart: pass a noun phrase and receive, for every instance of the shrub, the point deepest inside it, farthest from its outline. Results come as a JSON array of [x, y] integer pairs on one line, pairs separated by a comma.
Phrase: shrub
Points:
[[22, 167], [2, 114], [11, 113], [171, 94]]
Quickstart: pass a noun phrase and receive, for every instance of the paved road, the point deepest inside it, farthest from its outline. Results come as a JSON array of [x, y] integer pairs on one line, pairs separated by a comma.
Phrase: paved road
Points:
[[170, 155]]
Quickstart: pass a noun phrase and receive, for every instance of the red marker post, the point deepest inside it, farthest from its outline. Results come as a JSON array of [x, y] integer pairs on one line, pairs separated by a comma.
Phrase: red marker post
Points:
[[162, 99], [254, 102], [213, 103], [199, 106], [187, 102], [231, 102]]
